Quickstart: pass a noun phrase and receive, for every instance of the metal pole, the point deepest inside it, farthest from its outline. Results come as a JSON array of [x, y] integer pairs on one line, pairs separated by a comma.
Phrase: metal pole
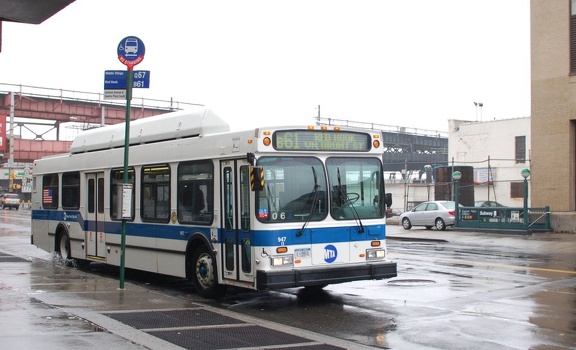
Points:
[[526, 216], [456, 190], [11, 150], [125, 178], [405, 185]]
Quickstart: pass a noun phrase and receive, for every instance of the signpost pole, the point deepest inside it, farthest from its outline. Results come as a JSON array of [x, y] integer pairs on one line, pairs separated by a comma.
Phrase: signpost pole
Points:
[[125, 179], [130, 52]]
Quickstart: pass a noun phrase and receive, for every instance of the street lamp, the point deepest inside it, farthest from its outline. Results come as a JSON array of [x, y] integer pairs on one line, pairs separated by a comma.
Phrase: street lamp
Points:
[[525, 174], [456, 176], [481, 105]]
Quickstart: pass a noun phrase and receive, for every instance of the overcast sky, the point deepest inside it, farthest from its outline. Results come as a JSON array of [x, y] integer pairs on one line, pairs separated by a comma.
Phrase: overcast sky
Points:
[[411, 63]]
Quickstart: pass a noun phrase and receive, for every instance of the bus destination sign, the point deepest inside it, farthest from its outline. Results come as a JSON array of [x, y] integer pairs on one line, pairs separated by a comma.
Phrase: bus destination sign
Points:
[[316, 140]]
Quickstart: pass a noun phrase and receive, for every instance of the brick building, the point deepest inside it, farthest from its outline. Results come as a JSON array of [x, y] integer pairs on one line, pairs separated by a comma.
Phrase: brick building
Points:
[[553, 119]]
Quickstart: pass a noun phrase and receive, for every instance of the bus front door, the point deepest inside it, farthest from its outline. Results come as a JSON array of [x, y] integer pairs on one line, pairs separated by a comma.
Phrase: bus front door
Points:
[[95, 235], [236, 257]]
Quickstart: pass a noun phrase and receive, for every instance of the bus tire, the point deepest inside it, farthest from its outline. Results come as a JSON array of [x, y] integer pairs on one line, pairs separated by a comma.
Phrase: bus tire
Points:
[[204, 274], [63, 246], [65, 252]]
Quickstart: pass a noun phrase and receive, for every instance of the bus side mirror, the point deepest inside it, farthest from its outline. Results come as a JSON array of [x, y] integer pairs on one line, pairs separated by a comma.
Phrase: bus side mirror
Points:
[[388, 200], [256, 178]]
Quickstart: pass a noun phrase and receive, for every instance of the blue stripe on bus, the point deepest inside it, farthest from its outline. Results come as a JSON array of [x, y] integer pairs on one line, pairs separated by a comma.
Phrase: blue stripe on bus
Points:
[[257, 237]]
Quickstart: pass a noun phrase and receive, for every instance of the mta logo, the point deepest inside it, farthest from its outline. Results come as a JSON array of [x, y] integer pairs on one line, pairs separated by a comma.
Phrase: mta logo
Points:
[[330, 253]]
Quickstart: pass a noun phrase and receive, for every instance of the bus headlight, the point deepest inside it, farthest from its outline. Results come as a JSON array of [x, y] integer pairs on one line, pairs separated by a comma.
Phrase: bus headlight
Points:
[[284, 260], [372, 254]]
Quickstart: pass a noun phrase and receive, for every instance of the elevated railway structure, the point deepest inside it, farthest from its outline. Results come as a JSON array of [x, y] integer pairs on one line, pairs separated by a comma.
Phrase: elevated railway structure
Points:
[[407, 150], [41, 113]]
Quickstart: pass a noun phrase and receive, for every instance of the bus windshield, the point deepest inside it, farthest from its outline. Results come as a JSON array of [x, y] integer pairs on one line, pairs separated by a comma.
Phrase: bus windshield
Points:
[[296, 190], [357, 190]]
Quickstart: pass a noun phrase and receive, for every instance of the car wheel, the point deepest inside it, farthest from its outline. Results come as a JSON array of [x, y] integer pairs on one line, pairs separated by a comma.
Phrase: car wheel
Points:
[[440, 225], [406, 224]]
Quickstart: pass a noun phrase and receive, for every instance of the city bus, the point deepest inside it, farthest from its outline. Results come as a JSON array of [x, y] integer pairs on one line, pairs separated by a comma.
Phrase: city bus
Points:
[[263, 209]]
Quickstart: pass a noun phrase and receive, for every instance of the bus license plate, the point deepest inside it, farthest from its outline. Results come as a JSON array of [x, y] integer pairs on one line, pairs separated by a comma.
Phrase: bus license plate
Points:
[[302, 253]]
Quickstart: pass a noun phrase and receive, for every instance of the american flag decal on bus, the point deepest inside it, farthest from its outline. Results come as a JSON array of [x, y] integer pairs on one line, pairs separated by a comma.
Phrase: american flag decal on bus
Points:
[[47, 196]]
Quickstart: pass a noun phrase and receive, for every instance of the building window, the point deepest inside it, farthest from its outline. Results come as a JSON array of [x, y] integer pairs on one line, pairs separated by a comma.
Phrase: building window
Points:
[[520, 149], [573, 36]]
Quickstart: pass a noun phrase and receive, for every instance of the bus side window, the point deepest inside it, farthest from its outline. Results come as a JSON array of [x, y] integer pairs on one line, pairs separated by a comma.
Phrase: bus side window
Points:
[[195, 192]]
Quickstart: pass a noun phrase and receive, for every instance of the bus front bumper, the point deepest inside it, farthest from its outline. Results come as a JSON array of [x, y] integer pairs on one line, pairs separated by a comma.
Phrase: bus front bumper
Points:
[[324, 276]]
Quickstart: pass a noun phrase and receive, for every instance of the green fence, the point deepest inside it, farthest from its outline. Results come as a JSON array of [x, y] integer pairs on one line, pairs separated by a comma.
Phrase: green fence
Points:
[[509, 218]]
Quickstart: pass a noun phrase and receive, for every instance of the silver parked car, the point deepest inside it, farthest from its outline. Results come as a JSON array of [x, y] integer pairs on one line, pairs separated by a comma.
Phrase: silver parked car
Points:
[[439, 214], [487, 204]]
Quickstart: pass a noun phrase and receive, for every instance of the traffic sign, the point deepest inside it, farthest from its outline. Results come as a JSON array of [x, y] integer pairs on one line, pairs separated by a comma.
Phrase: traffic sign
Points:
[[131, 51], [110, 94], [116, 79]]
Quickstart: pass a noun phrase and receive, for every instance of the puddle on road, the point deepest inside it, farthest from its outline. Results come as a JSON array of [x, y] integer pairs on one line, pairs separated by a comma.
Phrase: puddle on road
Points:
[[411, 282]]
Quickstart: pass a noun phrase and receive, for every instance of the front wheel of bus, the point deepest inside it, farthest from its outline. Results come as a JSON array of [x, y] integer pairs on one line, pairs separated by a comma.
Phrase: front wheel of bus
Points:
[[204, 274]]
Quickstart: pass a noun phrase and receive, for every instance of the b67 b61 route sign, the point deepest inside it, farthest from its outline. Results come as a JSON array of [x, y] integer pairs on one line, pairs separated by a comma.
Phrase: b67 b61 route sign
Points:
[[131, 51]]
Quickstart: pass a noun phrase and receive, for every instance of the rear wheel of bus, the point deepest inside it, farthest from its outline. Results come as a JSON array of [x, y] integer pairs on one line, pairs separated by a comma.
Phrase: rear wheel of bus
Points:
[[204, 274], [63, 246], [65, 253]]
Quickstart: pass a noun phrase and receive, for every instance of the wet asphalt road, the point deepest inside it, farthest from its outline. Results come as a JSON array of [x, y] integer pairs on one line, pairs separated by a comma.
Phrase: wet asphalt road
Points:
[[454, 290]]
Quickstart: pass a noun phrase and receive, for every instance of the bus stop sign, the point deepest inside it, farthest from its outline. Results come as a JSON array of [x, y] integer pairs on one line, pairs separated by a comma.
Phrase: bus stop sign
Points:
[[131, 51]]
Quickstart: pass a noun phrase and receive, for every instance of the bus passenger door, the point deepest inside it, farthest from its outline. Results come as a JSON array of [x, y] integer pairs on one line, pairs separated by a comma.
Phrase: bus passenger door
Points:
[[236, 237], [95, 236]]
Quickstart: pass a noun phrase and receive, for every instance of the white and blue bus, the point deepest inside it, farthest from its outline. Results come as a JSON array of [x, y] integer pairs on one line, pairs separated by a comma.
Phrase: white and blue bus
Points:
[[266, 208]]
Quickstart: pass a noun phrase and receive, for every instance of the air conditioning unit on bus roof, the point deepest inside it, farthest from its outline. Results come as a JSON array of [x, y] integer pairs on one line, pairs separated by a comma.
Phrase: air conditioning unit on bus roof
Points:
[[174, 125]]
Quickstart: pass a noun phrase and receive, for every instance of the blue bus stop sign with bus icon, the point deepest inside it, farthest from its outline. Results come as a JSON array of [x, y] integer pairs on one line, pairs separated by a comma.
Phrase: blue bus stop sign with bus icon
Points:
[[131, 51]]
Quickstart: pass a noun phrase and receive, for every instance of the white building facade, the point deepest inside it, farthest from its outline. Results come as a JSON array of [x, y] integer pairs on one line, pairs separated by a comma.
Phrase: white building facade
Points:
[[498, 151]]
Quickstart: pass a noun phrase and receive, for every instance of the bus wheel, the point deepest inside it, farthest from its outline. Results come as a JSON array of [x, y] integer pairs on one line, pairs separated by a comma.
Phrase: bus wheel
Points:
[[204, 274], [63, 247]]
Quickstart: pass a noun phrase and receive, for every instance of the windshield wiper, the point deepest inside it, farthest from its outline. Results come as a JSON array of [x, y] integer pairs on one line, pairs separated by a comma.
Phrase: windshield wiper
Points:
[[343, 198], [315, 197]]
